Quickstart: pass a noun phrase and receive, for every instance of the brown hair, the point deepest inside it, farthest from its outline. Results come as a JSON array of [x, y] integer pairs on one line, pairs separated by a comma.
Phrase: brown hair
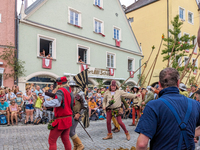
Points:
[[117, 88], [169, 77]]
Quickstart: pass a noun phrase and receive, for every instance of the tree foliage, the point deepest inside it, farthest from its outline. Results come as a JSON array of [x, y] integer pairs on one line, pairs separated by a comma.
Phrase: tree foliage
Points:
[[16, 66], [100, 82], [180, 44], [124, 85], [142, 79]]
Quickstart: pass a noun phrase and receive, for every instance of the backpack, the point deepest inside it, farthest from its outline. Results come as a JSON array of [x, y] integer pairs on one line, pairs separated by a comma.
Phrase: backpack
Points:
[[37, 121], [3, 119]]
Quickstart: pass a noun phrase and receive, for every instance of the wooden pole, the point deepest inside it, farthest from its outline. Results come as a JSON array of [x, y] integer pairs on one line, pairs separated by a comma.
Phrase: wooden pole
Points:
[[130, 75], [193, 65], [148, 73], [182, 76], [146, 65], [171, 54], [155, 61], [198, 78]]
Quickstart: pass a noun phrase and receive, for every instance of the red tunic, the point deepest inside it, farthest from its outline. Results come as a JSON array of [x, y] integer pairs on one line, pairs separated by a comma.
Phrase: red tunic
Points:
[[64, 123]]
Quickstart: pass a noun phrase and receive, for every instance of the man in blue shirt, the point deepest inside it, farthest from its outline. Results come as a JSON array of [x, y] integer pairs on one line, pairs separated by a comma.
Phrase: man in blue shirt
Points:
[[38, 90], [159, 124], [4, 109]]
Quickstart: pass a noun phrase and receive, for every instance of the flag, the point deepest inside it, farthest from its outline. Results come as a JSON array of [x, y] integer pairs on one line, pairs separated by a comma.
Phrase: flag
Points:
[[81, 80]]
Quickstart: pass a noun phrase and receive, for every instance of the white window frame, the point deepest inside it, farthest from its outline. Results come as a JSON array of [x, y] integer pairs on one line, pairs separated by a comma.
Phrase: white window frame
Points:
[[184, 60], [187, 50], [192, 17], [1, 72], [0, 18], [88, 52], [114, 60], [101, 3], [196, 65], [133, 63], [194, 42], [179, 35], [79, 16], [102, 25], [120, 31], [39, 36], [180, 62], [183, 19]]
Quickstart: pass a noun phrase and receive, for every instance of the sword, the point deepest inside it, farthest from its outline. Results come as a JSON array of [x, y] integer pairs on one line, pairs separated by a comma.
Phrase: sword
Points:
[[85, 130]]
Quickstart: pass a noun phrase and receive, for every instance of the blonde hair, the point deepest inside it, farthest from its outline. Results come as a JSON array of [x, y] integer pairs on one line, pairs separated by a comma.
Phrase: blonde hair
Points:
[[59, 86]]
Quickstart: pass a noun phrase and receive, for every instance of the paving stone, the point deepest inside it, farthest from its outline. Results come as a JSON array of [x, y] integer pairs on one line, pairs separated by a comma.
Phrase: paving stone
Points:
[[29, 137]]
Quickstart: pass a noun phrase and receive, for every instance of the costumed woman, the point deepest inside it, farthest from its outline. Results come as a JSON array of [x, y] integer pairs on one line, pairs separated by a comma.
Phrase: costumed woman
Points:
[[63, 103]]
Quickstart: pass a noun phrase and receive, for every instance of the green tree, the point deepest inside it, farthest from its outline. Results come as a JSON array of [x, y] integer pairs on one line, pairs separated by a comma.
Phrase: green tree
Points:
[[177, 43], [9, 55], [142, 79], [124, 85], [192, 80]]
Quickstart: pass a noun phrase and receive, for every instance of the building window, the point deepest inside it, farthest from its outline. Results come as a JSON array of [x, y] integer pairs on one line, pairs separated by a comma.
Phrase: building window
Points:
[[190, 17], [181, 13], [83, 54], [0, 17], [186, 60], [99, 26], [110, 60], [47, 47], [194, 42], [131, 64], [195, 71], [74, 17], [117, 33], [180, 62], [98, 3]]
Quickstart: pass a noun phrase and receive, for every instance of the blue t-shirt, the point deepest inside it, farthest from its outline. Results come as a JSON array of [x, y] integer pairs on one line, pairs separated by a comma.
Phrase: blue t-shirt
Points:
[[37, 92], [160, 125], [4, 106]]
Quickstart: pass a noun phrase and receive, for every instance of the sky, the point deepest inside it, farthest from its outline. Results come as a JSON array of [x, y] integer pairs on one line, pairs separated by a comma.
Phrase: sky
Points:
[[123, 2]]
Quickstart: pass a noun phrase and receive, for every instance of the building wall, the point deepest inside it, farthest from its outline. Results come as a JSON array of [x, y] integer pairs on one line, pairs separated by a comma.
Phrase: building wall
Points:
[[7, 33], [150, 22]]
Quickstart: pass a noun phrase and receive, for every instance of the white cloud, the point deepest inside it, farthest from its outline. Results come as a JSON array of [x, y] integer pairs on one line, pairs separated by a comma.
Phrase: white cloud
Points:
[[127, 2]]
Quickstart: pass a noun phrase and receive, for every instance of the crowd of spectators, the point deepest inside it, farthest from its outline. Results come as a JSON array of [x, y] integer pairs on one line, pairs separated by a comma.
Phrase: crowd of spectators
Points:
[[25, 107]]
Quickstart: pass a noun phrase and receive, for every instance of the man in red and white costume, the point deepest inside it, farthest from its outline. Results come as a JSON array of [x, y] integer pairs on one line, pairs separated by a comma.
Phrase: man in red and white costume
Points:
[[63, 103]]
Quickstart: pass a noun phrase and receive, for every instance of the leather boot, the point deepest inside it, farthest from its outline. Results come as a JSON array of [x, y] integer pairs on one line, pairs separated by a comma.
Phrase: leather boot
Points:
[[128, 137], [78, 144], [109, 136], [132, 124], [114, 128]]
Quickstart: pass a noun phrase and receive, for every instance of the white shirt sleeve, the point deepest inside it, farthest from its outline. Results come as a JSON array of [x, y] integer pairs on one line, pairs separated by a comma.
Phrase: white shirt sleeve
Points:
[[52, 103]]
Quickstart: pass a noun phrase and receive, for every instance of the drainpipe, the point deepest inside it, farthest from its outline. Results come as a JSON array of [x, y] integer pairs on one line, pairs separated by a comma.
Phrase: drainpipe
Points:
[[140, 62], [16, 36]]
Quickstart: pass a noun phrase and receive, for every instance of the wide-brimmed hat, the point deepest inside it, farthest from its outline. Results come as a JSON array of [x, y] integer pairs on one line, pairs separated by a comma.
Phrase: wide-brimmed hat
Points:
[[193, 85], [182, 86], [18, 93]]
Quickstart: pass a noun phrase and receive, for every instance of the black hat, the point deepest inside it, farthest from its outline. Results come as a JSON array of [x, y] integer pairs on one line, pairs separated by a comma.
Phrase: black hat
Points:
[[197, 92]]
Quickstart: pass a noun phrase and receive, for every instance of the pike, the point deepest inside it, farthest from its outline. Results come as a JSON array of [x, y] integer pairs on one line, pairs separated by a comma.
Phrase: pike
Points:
[[85, 130], [156, 59], [171, 54], [183, 73], [146, 65]]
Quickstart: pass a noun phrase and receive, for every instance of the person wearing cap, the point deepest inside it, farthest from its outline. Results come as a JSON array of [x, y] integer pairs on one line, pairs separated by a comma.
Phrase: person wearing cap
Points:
[[136, 104], [63, 105], [79, 108], [114, 94], [148, 95], [197, 95], [193, 90], [183, 89]]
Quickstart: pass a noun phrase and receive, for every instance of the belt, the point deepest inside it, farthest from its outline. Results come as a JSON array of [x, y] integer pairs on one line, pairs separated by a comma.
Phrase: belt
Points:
[[64, 117]]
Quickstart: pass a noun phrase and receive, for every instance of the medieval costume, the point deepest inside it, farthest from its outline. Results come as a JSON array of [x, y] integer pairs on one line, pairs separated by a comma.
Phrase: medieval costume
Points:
[[112, 104], [79, 108], [136, 104], [63, 104]]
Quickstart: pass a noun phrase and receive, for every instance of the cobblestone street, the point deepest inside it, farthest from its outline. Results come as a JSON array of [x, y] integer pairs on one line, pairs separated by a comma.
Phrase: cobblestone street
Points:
[[36, 137]]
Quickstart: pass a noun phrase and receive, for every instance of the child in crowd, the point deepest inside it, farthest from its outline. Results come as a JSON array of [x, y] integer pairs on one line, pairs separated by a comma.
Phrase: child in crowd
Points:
[[38, 105], [48, 111], [14, 110], [101, 116]]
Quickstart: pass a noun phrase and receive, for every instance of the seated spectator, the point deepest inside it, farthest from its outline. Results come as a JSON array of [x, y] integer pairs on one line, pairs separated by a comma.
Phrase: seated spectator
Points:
[[38, 105], [10, 96], [92, 106], [49, 56], [4, 109], [99, 107], [48, 111], [2, 94], [13, 111], [101, 116], [19, 100]]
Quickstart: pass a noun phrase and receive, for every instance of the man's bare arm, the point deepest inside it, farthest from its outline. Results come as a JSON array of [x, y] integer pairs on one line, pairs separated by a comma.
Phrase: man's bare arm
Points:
[[142, 142]]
